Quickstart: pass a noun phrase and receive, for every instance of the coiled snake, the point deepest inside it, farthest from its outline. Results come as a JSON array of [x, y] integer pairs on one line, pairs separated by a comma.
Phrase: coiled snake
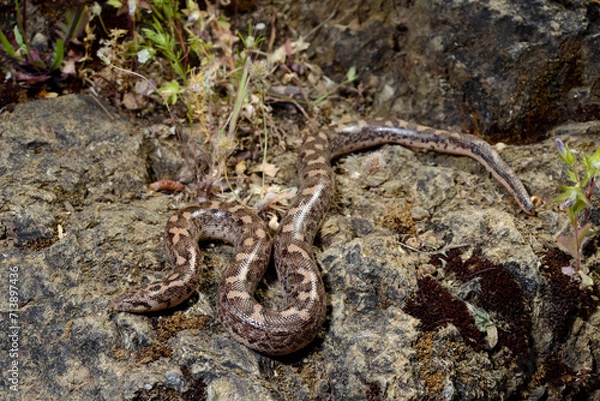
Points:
[[281, 332]]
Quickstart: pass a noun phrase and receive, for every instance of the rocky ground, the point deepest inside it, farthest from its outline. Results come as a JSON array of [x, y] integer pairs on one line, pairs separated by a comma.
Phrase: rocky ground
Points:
[[413, 241]]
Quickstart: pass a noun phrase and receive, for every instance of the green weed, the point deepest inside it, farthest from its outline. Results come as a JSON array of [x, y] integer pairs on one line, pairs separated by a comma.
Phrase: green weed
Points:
[[575, 199]]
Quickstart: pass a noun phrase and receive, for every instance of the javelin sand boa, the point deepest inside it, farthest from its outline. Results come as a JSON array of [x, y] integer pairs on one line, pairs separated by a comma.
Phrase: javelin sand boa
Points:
[[281, 332]]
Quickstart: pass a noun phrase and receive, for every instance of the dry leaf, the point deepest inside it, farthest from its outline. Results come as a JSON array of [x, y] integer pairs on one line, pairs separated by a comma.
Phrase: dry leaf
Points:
[[280, 54], [268, 169]]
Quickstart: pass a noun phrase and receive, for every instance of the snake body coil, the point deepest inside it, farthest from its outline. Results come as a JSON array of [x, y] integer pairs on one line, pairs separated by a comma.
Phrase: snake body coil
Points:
[[281, 332]]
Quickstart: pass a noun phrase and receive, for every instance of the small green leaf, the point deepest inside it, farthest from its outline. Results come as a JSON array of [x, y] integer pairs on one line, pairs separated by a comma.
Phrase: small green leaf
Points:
[[19, 39], [586, 160], [351, 74], [596, 156], [569, 196], [58, 55], [595, 162], [581, 197], [6, 45], [572, 216], [572, 176], [576, 208], [569, 158], [562, 197], [115, 3], [584, 230], [170, 92]]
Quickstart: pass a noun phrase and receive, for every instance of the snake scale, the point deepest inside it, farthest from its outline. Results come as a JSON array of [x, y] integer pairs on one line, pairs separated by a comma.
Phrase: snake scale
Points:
[[279, 332]]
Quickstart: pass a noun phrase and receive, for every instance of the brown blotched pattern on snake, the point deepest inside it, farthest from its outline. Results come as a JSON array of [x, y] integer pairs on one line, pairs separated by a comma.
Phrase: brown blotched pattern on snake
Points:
[[281, 332]]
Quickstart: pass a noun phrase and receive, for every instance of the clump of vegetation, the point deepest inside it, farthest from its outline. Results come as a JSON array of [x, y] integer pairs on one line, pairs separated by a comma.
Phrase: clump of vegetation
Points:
[[575, 199], [187, 58], [213, 74], [35, 62]]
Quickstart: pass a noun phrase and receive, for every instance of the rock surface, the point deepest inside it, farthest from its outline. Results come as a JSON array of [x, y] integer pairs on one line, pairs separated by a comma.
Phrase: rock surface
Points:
[[80, 225], [508, 69]]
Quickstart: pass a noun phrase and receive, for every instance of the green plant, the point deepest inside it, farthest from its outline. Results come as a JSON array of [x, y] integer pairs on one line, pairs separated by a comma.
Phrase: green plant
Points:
[[33, 66], [576, 200], [203, 67], [165, 35]]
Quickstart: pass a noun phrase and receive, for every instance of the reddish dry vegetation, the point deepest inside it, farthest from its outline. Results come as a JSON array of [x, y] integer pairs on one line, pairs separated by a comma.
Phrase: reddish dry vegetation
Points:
[[500, 295], [503, 298]]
